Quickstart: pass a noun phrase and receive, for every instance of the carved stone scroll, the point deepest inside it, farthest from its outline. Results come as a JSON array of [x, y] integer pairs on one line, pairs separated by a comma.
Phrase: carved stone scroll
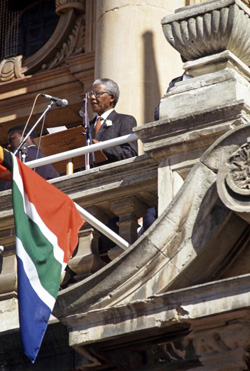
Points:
[[11, 69], [233, 182]]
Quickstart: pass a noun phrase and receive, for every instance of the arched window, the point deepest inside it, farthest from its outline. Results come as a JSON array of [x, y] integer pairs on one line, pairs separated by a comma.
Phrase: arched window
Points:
[[26, 26]]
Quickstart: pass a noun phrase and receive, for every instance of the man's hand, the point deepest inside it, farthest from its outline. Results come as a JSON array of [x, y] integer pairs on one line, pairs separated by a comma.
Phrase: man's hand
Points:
[[95, 141]]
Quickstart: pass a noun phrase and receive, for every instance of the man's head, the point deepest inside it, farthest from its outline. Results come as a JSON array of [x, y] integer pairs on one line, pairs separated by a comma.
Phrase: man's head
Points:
[[104, 95], [15, 136]]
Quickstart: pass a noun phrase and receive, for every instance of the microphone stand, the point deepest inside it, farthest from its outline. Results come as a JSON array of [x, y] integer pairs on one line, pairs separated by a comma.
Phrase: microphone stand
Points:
[[87, 133], [24, 151], [33, 127]]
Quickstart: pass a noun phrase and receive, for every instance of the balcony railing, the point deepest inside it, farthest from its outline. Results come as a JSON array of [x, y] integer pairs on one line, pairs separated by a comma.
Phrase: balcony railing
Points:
[[123, 190]]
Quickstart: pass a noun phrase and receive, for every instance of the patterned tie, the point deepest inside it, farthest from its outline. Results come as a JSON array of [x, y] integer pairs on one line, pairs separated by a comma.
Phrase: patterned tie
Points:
[[98, 125]]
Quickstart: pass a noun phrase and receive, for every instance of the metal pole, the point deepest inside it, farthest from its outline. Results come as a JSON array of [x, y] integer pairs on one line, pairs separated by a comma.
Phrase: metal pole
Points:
[[33, 127], [102, 228], [82, 151]]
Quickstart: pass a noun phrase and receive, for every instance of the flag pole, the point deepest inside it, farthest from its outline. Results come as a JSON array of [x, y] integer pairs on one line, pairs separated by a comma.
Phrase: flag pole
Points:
[[102, 227], [80, 151]]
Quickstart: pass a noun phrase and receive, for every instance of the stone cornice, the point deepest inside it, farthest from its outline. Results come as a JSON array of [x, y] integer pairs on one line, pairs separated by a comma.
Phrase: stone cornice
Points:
[[171, 137], [184, 305], [196, 323]]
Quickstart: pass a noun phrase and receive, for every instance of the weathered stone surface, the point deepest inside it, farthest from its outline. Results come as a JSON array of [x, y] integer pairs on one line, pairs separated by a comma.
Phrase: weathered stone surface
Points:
[[186, 137], [201, 325], [9, 314], [209, 28], [216, 85], [179, 250]]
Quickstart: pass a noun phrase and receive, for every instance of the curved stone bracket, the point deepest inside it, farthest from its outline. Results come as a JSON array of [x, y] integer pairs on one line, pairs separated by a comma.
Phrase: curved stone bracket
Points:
[[181, 247], [55, 42]]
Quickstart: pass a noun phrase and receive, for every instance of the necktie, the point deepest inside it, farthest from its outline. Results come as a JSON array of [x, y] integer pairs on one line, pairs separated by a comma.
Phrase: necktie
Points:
[[98, 125]]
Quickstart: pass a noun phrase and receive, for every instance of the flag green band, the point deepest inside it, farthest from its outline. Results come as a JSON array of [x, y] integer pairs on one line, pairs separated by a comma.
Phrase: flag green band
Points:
[[40, 251]]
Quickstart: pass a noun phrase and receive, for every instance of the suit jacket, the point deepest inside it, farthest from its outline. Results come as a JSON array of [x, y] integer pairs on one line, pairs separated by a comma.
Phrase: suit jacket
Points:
[[120, 125], [45, 171]]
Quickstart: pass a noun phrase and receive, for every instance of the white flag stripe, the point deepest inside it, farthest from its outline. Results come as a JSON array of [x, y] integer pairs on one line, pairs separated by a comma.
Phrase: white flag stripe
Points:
[[31, 211], [33, 277]]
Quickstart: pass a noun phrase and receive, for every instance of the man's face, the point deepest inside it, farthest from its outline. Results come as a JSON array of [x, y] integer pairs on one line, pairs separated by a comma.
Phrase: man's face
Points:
[[14, 140], [103, 102]]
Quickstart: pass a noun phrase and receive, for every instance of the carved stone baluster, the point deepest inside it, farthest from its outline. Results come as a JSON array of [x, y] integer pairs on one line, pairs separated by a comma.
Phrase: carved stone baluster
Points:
[[129, 210]]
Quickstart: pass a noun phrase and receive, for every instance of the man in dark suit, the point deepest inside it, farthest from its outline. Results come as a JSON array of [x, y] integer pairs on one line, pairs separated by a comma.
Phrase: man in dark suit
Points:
[[108, 124], [29, 152]]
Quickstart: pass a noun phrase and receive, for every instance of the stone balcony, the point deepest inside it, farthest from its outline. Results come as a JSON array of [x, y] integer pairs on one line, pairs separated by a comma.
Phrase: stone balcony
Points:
[[194, 114], [125, 189]]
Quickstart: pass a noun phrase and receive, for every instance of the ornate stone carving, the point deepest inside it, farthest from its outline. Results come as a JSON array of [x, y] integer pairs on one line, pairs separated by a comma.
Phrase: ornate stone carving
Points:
[[238, 177], [235, 174], [209, 28], [62, 6], [177, 354], [11, 69], [233, 182], [74, 45], [224, 348]]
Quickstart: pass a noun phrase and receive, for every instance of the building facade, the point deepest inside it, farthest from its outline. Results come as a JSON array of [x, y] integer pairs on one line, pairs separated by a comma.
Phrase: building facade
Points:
[[178, 297]]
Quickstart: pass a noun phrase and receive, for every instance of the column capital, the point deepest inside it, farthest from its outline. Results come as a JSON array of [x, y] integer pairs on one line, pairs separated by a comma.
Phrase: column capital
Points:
[[208, 28]]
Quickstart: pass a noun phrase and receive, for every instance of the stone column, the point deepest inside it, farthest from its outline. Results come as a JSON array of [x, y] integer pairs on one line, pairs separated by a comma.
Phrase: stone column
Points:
[[130, 49], [196, 111]]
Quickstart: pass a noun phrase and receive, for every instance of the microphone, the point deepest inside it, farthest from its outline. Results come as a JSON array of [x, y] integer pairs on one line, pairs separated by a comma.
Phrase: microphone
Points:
[[58, 102]]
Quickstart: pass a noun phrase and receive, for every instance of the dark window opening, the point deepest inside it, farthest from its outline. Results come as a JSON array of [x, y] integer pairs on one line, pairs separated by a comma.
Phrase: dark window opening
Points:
[[25, 27]]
